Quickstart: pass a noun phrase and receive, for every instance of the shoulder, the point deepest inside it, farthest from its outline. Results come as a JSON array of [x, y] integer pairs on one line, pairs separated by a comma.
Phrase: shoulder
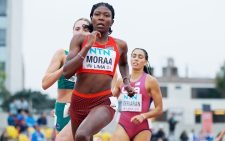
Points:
[[151, 81], [77, 41], [120, 43], [150, 78], [78, 37], [59, 53]]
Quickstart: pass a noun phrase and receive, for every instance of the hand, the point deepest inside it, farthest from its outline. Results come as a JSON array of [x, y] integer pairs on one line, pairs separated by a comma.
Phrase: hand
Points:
[[223, 133], [92, 38], [137, 119], [220, 137], [130, 90], [52, 113]]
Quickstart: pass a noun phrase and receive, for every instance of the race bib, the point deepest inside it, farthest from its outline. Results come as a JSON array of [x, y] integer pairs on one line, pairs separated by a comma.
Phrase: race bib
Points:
[[66, 110], [113, 102], [132, 104], [72, 79], [99, 59]]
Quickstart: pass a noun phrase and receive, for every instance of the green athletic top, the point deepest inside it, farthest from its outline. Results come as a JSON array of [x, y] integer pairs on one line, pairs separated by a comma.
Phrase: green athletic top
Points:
[[64, 83]]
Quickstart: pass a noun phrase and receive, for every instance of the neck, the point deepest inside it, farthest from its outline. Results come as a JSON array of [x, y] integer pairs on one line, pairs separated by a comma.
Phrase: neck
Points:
[[103, 39], [136, 74]]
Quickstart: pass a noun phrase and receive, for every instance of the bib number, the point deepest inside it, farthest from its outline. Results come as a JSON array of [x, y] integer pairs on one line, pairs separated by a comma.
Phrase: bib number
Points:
[[132, 104]]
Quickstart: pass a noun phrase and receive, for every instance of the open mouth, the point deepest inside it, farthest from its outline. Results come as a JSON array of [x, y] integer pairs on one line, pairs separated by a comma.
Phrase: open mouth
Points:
[[100, 25], [134, 64]]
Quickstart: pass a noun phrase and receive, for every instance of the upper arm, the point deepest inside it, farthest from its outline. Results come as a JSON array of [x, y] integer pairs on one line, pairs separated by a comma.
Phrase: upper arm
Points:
[[75, 46], [57, 61], [154, 91], [122, 46]]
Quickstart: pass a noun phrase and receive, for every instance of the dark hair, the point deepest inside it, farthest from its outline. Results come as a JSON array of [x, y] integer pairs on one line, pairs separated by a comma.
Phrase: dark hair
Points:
[[89, 26], [147, 68], [110, 7]]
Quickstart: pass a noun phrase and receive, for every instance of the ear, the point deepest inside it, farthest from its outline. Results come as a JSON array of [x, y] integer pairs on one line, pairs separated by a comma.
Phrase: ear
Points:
[[112, 22], [146, 63]]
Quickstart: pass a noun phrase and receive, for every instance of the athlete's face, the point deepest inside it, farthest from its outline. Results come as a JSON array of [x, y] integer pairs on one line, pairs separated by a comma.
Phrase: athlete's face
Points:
[[138, 60], [102, 19], [79, 27]]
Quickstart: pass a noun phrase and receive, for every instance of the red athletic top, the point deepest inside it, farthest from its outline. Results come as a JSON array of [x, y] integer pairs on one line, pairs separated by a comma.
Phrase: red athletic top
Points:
[[101, 58]]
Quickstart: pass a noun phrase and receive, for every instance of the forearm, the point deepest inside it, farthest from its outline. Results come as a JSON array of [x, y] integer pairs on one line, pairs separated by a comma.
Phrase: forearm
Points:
[[50, 78], [153, 113], [71, 66], [116, 92], [124, 71], [220, 137]]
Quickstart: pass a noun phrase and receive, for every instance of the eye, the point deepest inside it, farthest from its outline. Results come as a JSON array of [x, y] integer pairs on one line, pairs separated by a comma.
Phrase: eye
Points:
[[107, 15], [140, 56], [96, 14], [85, 26], [86, 30], [133, 55], [77, 28]]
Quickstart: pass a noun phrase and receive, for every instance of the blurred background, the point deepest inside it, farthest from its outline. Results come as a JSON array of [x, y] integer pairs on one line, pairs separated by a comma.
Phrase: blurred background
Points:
[[185, 41]]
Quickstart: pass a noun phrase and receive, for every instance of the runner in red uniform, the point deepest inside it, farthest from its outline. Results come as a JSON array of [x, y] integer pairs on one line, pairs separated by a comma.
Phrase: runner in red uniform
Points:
[[94, 58]]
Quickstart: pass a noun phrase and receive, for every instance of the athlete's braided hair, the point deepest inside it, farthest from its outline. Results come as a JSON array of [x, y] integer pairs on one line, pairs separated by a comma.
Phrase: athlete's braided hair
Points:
[[147, 68], [110, 7]]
